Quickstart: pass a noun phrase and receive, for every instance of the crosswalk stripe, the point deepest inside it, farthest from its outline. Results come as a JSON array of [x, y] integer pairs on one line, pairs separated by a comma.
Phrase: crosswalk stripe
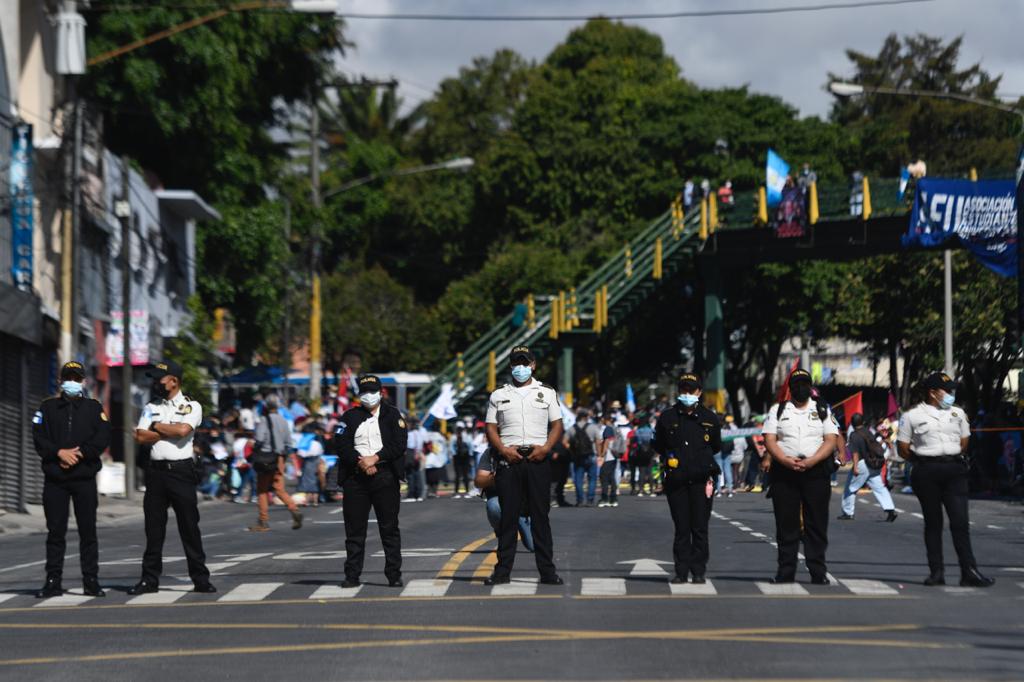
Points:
[[335, 592], [425, 587], [5, 597], [518, 587], [790, 589], [67, 599], [872, 587], [691, 589], [166, 595], [250, 592], [603, 587]]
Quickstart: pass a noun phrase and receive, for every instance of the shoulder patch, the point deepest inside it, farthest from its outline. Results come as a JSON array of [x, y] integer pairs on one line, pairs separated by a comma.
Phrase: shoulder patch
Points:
[[37, 418], [401, 422], [103, 416], [340, 428]]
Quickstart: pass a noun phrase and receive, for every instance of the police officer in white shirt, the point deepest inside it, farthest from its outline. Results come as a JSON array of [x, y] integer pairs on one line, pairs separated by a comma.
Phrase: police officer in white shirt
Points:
[[800, 434], [934, 435], [167, 424], [524, 421]]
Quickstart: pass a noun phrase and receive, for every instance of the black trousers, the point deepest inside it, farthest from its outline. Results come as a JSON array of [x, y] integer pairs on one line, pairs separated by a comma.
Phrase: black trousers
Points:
[[806, 495], [938, 485], [640, 474], [524, 487], [379, 492], [57, 498], [559, 476], [174, 487], [461, 465], [691, 513], [609, 491]]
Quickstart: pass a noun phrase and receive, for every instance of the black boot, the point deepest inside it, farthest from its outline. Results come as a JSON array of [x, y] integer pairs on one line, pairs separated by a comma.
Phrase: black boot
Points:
[[935, 578], [52, 588], [973, 578], [91, 587], [891, 515]]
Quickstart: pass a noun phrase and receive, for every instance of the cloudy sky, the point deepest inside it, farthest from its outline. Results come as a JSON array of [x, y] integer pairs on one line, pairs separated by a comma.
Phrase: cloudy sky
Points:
[[787, 55]]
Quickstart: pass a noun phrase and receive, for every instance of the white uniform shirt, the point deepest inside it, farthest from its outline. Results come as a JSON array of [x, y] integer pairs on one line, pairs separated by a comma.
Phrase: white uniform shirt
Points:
[[523, 413], [368, 441], [799, 431], [932, 432], [178, 410]]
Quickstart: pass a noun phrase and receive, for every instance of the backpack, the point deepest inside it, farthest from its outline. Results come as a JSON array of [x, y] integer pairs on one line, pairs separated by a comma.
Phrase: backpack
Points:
[[619, 444], [875, 456], [264, 458], [644, 451], [581, 445]]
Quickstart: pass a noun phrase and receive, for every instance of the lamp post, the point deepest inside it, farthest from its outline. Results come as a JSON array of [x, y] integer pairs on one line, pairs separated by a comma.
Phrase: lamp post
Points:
[[315, 351], [845, 89]]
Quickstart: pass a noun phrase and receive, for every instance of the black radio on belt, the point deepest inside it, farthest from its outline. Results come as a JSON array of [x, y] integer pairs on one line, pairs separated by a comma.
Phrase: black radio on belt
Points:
[[524, 450]]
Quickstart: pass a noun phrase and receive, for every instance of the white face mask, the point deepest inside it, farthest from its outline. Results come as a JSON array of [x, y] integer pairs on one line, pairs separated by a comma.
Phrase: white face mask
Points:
[[522, 373], [370, 400]]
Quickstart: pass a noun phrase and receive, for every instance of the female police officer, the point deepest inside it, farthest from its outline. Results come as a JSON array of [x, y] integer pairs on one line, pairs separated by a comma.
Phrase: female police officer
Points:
[[933, 435]]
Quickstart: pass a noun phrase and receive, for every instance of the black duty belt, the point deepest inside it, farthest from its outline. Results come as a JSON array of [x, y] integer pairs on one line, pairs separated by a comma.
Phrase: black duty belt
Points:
[[170, 464], [941, 459]]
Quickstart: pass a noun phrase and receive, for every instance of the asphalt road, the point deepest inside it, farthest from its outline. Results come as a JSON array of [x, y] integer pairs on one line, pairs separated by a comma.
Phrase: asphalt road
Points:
[[279, 612]]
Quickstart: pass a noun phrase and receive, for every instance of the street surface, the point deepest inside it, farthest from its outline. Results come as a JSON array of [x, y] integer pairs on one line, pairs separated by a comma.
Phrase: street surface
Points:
[[280, 613]]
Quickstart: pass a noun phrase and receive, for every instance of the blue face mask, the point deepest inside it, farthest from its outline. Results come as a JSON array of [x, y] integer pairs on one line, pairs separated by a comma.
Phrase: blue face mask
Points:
[[947, 400], [522, 373], [688, 399], [73, 389]]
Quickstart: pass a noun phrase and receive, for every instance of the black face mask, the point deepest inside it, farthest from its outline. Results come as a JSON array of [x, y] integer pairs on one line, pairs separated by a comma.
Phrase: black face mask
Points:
[[158, 391], [801, 393]]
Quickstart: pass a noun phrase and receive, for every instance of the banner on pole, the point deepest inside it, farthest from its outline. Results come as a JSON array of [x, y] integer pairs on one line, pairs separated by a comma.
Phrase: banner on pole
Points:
[[22, 200], [139, 330], [982, 215]]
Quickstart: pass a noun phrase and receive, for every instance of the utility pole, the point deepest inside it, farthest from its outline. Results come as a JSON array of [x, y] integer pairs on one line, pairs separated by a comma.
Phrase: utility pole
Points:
[[70, 233], [315, 367], [123, 210], [286, 341]]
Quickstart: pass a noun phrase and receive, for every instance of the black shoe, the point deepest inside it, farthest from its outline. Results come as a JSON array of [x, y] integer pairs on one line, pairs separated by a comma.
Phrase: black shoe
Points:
[[820, 580], [973, 578], [935, 578], [52, 588], [349, 583], [678, 580], [395, 582], [699, 579], [844, 517], [204, 588], [92, 588], [552, 579], [891, 515], [782, 580], [497, 580], [142, 587]]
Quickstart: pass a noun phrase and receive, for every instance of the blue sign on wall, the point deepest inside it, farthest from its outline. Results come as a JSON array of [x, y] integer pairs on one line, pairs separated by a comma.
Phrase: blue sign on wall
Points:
[[21, 206]]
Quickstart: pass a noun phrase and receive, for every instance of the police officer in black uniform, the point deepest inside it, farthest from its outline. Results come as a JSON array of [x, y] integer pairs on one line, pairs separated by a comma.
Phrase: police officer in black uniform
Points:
[[687, 437], [370, 442], [70, 432]]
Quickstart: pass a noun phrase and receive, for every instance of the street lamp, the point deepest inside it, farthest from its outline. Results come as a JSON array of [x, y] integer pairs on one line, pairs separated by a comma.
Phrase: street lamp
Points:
[[315, 351], [845, 89]]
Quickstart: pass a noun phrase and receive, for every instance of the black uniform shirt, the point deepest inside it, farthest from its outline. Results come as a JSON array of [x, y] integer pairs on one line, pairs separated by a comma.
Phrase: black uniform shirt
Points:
[[392, 432], [694, 437], [63, 422]]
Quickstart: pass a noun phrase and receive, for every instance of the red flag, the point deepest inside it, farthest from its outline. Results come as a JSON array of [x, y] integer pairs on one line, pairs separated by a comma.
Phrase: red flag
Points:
[[892, 407], [850, 406], [783, 394]]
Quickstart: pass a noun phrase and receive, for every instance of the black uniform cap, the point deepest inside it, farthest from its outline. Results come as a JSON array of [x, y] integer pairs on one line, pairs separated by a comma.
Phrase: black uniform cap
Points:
[[72, 369], [798, 376], [519, 354], [690, 381], [369, 383], [938, 381], [165, 368]]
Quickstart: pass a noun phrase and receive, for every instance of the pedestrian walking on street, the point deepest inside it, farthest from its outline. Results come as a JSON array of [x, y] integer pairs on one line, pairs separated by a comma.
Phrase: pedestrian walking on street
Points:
[[612, 446], [168, 424], [462, 460], [524, 421], [800, 434], [933, 435], [273, 444], [371, 441], [560, 471], [584, 440], [687, 437], [868, 451], [70, 433]]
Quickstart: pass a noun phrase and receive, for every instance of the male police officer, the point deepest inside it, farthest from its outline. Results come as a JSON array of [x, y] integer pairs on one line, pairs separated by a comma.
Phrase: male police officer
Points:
[[370, 441], [801, 436], [687, 437], [934, 435], [168, 424], [70, 432], [524, 421]]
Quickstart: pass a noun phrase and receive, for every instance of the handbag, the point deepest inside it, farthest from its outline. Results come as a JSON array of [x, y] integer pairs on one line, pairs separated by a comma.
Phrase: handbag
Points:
[[264, 459]]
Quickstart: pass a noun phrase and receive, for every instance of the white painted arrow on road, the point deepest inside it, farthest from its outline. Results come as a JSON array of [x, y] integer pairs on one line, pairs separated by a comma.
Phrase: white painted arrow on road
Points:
[[648, 567]]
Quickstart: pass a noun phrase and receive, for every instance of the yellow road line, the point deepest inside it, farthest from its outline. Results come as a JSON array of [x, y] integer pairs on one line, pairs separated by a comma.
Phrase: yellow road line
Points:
[[449, 569], [486, 567]]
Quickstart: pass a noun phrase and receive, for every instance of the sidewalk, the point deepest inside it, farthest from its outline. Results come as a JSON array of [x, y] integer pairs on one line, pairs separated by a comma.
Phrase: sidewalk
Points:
[[112, 511]]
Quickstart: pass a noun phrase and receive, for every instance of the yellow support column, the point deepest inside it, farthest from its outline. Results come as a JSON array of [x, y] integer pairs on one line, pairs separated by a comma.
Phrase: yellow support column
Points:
[[629, 262], [974, 174], [596, 326], [712, 213], [812, 211], [574, 312], [553, 330], [461, 373], [866, 209], [703, 219], [531, 312], [562, 317], [604, 306], [656, 273], [412, 403], [762, 206], [492, 372]]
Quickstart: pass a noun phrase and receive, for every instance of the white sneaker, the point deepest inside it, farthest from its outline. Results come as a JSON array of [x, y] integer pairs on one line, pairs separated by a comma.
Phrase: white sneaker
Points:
[[730, 494], [613, 504], [456, 496], [602, 504], [409, 499], [420, 499]]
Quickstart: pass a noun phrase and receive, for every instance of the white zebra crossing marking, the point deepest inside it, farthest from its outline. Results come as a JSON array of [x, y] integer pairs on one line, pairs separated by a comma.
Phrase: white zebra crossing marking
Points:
[[166, 595], [603, 587], [868, 587], [67, 599], [688, 589], [250, 592], [787, 589], [425, 587], [5, 597], [517, 588], [335, 592]]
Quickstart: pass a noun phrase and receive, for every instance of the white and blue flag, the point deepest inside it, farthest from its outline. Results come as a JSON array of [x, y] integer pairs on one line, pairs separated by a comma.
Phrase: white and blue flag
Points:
[[775, 177], [904, 181], [630, 399]]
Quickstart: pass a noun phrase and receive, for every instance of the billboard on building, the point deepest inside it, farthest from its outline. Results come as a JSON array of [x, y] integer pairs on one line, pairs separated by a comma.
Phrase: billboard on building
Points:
[[139, 339]]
